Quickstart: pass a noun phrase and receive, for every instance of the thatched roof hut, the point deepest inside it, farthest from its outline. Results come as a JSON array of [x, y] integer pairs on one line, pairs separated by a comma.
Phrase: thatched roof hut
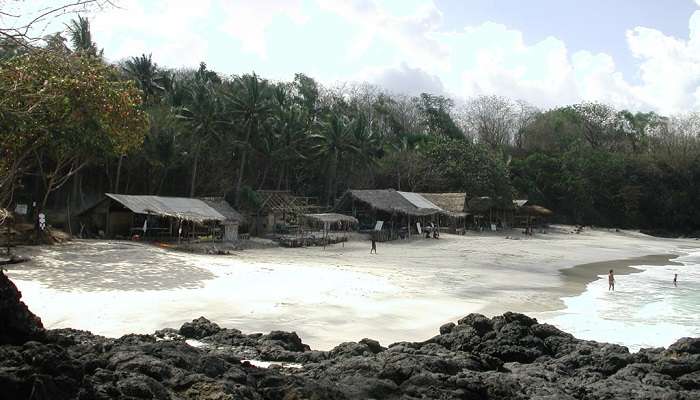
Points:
[[452, 203], [386, 200]]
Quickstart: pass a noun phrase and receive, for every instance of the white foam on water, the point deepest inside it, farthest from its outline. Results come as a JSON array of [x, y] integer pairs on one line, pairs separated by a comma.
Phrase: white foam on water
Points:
[[645, 310]]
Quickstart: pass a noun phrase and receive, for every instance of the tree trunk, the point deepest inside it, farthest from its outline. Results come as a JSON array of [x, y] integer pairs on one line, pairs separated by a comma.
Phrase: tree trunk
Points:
[[162, 181], [281, 178], [195, 164], [264, 176], [331, 175], [119, 172], [244, 153]]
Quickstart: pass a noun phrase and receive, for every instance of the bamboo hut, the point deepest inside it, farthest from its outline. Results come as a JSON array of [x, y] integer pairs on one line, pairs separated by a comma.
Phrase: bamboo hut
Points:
[[120, 215], [280, 211], [453, 205], [389, 214], [533, 215]]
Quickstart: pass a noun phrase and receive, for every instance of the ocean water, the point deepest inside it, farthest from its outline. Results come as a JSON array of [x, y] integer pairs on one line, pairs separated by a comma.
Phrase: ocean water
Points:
[[645, 310]]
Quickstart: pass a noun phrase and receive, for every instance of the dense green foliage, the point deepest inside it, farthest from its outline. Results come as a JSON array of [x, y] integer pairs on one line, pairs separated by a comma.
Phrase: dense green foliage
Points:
[[211, 134]]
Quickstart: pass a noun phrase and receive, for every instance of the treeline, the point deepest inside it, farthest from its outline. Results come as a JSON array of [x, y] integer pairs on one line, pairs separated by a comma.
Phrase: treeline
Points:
[[213, 134]]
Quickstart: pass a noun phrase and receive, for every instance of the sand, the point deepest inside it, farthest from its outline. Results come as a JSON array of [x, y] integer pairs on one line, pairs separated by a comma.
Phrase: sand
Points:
[[403, 293]]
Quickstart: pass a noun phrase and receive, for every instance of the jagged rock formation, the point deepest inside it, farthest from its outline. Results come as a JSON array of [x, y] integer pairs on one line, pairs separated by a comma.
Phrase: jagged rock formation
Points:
[[17, 323], [505, 357]]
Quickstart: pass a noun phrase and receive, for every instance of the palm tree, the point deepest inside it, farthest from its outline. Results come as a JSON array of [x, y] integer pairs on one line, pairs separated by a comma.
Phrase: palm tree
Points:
[[250, 105], [81, 37], [292, 136], [202, 111], [146, 75], [334, 140]]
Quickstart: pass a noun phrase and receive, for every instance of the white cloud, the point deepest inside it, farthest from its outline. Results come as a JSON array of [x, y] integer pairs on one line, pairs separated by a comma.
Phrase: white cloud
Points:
[[248, 21], [411, 35], [669, 67], [402, 46], [136, 25], [404, 80]]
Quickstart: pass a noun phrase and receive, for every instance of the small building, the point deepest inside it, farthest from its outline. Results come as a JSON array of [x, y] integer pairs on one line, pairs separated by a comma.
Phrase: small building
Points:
[[279, 212], [120, 215], [233, 219], [489, 214], [453, 205], [531, 216], [389, 214]]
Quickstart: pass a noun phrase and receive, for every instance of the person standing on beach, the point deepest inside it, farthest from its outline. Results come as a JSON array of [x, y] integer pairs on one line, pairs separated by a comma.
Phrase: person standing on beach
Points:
[[374, 246], [611, 281], [675, 280]]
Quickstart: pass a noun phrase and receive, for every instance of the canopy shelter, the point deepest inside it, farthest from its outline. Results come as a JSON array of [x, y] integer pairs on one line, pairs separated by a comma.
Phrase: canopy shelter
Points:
[[147, 215], [326, 228]]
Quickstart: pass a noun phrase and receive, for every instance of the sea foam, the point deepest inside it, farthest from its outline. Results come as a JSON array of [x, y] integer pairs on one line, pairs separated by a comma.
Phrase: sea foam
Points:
[[645, 310]]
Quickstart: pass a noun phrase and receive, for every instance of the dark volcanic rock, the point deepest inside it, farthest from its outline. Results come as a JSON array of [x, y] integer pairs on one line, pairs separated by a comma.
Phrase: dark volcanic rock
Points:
[[199, 328], [17, 323], [505, 357]]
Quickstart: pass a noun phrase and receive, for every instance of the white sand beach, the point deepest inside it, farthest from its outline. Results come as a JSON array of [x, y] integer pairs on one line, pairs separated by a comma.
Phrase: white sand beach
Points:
[[404, 292]]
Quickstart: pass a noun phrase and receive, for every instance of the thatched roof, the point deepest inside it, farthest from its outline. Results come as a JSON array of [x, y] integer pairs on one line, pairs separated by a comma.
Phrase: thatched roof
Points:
[[480, 204], [176, 207], [386, 200], [331, 218], [536, 210], [224, 208], [393, 202], [451, 202]]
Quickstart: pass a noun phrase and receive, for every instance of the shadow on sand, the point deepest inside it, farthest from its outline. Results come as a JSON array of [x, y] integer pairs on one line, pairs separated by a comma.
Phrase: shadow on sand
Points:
[[103, 266]]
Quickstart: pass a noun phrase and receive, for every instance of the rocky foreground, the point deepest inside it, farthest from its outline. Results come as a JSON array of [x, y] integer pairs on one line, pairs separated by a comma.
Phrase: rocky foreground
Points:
[[505, 357]]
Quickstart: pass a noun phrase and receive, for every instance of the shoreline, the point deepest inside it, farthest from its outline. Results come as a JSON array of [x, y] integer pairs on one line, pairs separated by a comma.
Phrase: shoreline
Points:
[[579, 276], [574, 280], [326, 295]]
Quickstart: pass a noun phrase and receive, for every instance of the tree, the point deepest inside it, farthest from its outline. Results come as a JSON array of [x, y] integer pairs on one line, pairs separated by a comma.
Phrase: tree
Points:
[[525, 114], [492, 119], [59, 113], [201, 107], [333, 142], [250, 105], [20, 23], [436, 115], [81, 37], [468, 167], [147, 76]]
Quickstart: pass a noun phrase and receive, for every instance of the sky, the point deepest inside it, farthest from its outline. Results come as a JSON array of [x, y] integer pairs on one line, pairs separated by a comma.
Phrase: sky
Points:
[[637, 54]]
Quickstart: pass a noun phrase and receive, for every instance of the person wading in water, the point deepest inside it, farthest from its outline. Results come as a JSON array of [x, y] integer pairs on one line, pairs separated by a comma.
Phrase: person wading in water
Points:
[[675, 280], [374, 246], [611, 281]]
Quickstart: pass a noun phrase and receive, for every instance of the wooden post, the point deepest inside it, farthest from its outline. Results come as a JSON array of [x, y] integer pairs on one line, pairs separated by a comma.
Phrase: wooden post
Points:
[[409, 226]]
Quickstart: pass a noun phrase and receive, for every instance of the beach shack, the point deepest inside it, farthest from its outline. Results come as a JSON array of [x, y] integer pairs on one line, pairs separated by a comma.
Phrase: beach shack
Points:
[[530, 216], [279, 212], [453, 218], [128, 216], [389, 214], [234, 219], [489, 214]]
